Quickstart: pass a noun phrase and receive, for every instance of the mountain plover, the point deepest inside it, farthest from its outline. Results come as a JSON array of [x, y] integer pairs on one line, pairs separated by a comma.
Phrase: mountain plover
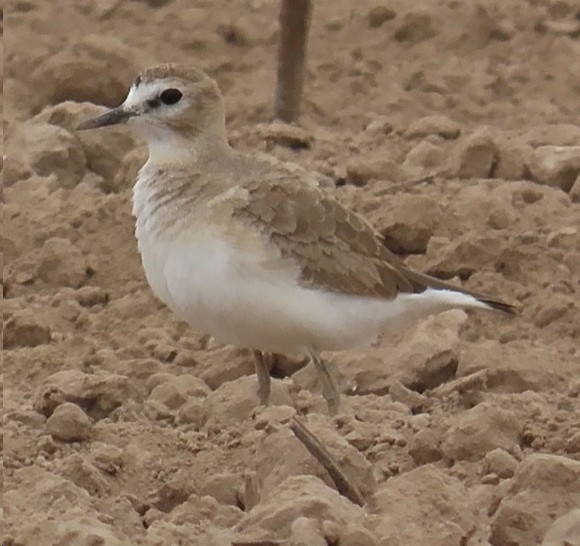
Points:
[[249, 249]]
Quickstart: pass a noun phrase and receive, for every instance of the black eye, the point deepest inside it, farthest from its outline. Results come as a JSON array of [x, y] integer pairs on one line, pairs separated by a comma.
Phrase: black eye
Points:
[[171, 96]]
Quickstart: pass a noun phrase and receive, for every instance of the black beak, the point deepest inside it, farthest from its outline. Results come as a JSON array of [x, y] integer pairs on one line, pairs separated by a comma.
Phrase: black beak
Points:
[[112, 117]]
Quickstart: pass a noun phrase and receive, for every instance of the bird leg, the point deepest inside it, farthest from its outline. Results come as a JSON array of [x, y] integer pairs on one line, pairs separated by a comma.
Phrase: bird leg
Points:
[[261, 363], [329, 389]]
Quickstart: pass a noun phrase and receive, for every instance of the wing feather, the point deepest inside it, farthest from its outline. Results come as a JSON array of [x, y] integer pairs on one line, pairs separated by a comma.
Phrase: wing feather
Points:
[[336, 249]]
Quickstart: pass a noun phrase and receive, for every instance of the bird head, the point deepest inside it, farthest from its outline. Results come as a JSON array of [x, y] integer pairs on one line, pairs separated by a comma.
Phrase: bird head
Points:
[[168, 101]]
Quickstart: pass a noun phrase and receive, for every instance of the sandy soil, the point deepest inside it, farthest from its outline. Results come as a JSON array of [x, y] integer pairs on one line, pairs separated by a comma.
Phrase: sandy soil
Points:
[[453, 127]]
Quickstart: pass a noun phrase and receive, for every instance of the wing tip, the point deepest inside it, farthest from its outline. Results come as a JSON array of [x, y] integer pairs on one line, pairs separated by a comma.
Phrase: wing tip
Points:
[[507, 308]]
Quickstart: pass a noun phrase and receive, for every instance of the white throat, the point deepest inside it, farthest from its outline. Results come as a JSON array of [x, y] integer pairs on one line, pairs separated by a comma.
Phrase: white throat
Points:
[[166, 146]]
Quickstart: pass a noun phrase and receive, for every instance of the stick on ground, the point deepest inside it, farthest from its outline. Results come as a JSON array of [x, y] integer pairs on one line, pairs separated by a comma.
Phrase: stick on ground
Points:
[[344, 486]]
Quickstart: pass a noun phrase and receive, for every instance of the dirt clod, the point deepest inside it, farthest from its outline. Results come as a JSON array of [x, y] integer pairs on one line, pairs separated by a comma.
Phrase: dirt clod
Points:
[[557, 166], [480, 430], [378, 15], [24, 329], [69, 423], [539, 481], [433, 125]]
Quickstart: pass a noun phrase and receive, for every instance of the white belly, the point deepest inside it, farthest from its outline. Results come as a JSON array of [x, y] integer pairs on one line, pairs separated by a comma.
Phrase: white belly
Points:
[[233, 297]]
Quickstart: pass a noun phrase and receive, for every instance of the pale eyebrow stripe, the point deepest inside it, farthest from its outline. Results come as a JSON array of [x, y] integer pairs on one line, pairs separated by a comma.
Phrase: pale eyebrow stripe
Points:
[[145, 91]]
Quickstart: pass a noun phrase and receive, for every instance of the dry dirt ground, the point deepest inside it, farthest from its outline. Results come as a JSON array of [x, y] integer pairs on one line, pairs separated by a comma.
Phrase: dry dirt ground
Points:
[[453, 127]]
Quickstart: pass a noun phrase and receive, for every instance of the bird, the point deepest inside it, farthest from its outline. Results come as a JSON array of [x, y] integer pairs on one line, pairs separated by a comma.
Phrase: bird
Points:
[[250, 249]]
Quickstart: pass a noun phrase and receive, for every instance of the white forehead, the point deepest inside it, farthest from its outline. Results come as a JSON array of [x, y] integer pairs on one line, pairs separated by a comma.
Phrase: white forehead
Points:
[[145, 91]]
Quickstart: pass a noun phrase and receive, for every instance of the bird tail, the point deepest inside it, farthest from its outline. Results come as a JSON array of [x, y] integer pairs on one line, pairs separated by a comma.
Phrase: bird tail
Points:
[[422, 282], [496, 304]]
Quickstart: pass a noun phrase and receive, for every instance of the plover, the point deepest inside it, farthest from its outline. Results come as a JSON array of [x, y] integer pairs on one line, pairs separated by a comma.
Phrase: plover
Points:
[[250, 249]]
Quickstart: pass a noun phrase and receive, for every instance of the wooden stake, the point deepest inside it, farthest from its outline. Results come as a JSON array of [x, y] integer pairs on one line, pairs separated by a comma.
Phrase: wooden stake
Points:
[[295, 18]]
